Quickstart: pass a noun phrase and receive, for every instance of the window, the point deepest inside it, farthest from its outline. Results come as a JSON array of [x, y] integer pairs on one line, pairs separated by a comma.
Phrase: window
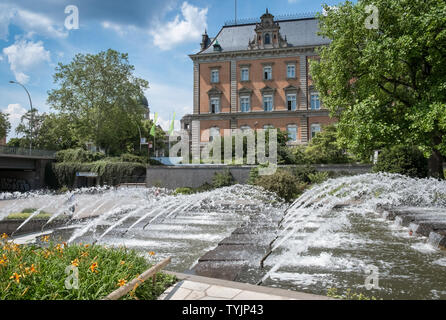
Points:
[[214, 132], [215, 105], [245, 104], [315, 102], [268, 126], [267, 73], [268, 103], [292, 132], [291, 102], [245, 74], [215, 77], [315, 129], [291, 71], [267, 38]]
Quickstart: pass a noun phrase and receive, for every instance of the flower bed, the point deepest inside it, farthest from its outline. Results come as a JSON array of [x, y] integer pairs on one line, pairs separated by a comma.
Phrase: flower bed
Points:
[[31, 272]]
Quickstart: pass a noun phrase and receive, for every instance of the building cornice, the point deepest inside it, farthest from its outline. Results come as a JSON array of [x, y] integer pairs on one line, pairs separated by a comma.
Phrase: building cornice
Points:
[[258, 115], [275, 52]]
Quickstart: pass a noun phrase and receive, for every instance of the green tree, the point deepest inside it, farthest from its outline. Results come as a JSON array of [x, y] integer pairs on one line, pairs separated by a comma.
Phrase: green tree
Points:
[[5, 125], [324, 147], [101, 96], [387, 86]]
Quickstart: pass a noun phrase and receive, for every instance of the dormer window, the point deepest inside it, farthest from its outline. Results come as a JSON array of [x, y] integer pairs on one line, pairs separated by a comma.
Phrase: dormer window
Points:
[[267, 39]]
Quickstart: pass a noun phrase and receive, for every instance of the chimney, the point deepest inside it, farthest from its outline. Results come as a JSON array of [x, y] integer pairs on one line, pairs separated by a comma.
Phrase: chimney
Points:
[[204, 40]]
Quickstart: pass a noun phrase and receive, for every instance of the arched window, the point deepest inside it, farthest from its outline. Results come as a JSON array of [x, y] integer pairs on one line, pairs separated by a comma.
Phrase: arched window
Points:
[[267, 39]]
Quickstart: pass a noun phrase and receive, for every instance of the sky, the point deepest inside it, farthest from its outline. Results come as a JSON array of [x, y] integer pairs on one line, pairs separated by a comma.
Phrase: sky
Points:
[[157, 35]]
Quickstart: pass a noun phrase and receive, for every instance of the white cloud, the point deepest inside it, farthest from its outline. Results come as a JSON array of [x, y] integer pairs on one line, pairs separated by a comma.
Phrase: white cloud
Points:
[[117, 28], [160, 100], [15, 112], [24, 55], [186, 28], [29, 21]]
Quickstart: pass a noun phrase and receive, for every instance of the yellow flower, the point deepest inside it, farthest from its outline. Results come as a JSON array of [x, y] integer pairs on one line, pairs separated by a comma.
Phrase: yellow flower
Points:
[[16, 277], [4, 236], [3, 262], [59, 248], [122, 282], [75, 262], [94, 267], [122, 262], [152, 253], [46, 238], [84, 254]]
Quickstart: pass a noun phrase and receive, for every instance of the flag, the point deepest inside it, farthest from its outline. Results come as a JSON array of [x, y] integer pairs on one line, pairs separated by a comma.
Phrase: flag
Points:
[[172, 125], [152, 131]]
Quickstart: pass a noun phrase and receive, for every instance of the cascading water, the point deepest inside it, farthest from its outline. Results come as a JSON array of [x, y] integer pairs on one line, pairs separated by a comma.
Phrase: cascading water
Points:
[[332, 234], [327, 238]]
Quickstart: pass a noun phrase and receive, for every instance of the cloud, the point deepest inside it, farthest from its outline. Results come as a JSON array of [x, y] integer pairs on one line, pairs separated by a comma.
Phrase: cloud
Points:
[[186, 28], [28, 21], [15, 112], [25, 55]]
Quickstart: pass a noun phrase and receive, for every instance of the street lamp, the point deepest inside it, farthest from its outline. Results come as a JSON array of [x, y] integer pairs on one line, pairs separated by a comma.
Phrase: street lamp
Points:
[[31, 120]]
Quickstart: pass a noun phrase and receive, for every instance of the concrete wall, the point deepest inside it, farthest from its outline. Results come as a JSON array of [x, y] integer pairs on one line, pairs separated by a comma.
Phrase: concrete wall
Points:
[[18, 174], [195, 176]]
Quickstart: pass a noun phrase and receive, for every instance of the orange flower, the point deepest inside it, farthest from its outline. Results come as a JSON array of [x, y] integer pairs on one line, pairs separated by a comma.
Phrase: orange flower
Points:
[[75, 262], [122, 282], [152, 253], [33, 268], [16, 277], [87, 245], [4, 236], [122, 262], [46, 238], [59, 248], [64, 244], [94, 267], [84, 254], [3, 262]]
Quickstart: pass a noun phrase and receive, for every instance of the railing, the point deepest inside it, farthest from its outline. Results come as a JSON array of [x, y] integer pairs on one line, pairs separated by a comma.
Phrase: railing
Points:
[[27, 152], [122, 291], [282, 17]]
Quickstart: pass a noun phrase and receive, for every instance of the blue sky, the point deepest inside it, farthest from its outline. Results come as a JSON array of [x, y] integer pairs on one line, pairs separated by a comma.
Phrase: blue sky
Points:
[[157, 35]]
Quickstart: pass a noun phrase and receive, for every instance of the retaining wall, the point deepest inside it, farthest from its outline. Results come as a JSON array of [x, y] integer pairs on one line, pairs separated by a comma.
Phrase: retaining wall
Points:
[[193, 176]]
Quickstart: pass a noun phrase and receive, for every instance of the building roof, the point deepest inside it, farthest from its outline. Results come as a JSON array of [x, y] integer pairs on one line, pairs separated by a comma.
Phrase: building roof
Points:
[[298, 32]]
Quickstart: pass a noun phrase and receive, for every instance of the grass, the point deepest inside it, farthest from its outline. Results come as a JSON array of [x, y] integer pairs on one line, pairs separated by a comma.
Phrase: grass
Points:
[[30, 272], [26, 213]]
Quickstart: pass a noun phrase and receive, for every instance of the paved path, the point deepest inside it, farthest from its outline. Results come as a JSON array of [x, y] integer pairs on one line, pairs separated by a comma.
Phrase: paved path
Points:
[[191, 287]]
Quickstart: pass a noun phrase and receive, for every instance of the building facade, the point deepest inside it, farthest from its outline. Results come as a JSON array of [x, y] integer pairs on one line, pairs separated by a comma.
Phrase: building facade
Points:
[[256, 76]]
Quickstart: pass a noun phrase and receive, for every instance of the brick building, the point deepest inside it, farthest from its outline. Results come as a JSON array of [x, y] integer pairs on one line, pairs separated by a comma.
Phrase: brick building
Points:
[[255, 75]]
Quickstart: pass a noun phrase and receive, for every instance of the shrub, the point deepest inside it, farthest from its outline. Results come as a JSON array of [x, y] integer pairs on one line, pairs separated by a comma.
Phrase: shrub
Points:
[[299, 155], [283, 183], [78, 155], [128, 157], [407, 160], [318, 177], [222, 179], [302, 173], [30, 272], [184, 190]]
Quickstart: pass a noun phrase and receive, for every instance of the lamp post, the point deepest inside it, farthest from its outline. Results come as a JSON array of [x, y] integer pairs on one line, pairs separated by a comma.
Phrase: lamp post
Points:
[[31, 120]]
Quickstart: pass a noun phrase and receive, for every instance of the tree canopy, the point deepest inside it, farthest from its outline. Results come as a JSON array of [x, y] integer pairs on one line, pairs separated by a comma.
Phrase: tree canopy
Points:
[[387, 85], [5, 125], [99, 98]]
